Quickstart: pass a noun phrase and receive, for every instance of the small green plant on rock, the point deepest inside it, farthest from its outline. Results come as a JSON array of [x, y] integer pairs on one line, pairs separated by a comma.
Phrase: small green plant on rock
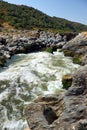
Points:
[[77, 60], [66, 81], [49, 49]]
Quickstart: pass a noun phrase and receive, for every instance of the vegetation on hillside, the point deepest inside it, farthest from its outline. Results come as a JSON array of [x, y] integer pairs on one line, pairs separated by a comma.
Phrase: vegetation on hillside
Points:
[[24, 17]]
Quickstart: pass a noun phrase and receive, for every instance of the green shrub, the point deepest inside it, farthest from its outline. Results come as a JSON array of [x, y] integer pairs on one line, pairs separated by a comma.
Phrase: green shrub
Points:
[[77, 60], [66, 81], [49, 49], [20, 16]]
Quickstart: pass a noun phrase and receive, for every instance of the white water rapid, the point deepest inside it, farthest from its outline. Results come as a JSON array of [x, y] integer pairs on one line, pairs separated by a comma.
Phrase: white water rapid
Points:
[[26, 77]]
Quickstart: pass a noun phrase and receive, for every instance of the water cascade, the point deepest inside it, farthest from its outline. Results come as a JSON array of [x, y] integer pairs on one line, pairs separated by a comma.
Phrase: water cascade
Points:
[[25, 77]]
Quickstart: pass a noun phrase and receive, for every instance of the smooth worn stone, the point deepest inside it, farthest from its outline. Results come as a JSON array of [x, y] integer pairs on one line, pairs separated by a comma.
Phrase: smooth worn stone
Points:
[[36, 120]]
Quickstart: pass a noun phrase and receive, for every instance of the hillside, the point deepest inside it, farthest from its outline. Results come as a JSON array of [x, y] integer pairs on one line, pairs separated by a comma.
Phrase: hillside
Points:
[[24, 17]]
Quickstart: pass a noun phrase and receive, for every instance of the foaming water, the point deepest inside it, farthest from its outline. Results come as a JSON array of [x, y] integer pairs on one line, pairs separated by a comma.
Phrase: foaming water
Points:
[[26, 77]]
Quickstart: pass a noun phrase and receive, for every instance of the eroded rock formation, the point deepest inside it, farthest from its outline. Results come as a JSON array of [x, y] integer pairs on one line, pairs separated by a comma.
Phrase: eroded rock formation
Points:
[[32, 41], [66, 111], [77, 48], [35, 41]]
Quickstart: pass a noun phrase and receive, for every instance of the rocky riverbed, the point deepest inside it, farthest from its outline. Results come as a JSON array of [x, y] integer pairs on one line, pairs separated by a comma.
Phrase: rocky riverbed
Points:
[[67, 110], [64, 111]]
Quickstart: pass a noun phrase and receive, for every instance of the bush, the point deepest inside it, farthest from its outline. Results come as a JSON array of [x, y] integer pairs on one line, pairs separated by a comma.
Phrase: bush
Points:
[[77, 60], [49, 49], [66, 81]]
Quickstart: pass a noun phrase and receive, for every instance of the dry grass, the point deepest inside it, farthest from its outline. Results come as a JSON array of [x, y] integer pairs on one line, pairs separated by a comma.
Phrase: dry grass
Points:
[[6, 25], [85, 34]]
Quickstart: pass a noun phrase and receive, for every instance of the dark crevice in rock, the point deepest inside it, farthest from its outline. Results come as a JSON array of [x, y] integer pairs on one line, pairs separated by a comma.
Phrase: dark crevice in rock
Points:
[[49, 114]]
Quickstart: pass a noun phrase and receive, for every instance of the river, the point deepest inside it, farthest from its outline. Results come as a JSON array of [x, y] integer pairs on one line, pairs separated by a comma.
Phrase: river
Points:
[[25, 77]]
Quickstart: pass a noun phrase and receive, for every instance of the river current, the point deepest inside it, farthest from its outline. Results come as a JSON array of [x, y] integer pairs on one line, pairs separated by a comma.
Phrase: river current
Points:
[[25, 77]]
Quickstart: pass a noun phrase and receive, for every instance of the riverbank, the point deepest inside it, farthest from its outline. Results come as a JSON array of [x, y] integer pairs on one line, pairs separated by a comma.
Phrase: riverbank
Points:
[[16, 42]]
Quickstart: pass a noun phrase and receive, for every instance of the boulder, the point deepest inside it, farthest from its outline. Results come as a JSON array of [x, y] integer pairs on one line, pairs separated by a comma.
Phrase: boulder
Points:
[[77, 47], [42, 113], [78, 44]]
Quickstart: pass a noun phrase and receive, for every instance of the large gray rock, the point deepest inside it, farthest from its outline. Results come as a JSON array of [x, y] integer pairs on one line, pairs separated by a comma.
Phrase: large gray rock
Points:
[[66, 111], [78, 45], [33, 42]]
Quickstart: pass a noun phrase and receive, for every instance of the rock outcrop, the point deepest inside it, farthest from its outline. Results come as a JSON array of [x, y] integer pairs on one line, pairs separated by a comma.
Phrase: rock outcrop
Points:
[[33, 43], [66, 111], [77, 48], [78, 45], [30, 42]]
